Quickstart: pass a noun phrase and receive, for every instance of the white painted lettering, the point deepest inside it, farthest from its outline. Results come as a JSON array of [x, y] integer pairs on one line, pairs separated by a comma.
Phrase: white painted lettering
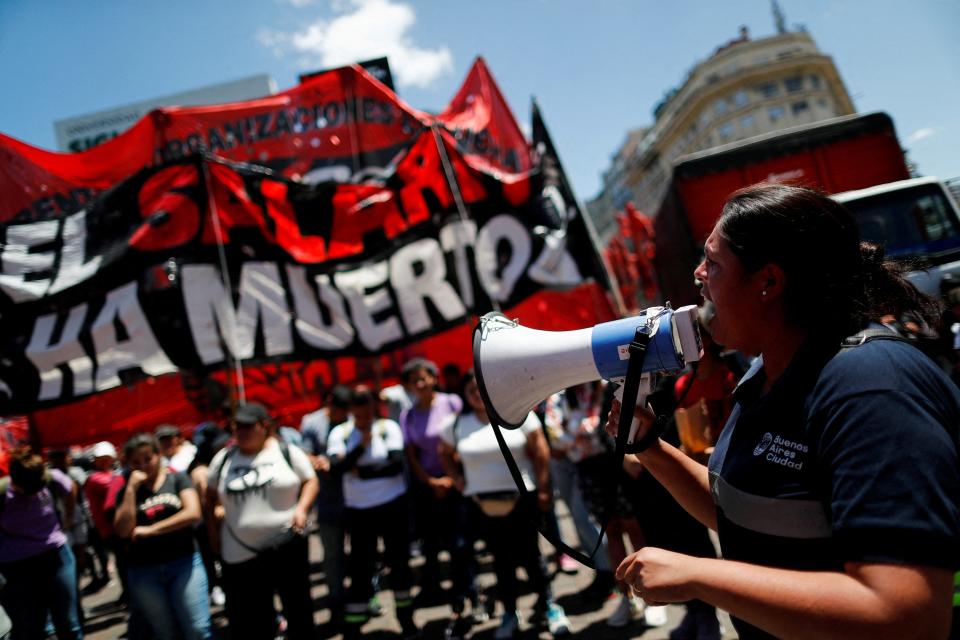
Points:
[[431, 283]]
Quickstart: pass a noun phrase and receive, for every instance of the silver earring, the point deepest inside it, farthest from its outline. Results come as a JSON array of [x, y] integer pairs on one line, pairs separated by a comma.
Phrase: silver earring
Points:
[[764, 293]]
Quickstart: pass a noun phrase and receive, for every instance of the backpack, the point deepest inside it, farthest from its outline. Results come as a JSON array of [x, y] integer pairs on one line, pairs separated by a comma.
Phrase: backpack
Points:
[[232, 450], [379, 429]]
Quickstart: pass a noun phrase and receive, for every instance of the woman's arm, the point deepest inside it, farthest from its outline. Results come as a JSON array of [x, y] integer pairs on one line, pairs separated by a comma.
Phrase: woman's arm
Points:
[[199, 478], [867, 600], [213, 515], [188, 516], [125, 518], [308, 493], [391, 466], [451, 465], [415, 467], [70, 506], [687, 481], [539, 454], [341, 464]]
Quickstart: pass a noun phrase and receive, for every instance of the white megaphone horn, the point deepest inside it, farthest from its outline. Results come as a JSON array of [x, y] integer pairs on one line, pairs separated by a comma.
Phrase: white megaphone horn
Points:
[[517, 367]]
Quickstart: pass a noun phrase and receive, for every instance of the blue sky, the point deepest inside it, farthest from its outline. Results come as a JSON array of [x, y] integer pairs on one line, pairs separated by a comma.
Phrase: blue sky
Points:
[[597, 68]]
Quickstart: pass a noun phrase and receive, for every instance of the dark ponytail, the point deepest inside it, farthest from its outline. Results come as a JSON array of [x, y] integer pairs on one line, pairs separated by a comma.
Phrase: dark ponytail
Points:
[[835, 284], [887, 290]]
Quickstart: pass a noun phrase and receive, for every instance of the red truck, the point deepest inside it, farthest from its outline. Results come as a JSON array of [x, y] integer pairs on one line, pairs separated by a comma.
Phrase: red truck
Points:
[[849, 157]]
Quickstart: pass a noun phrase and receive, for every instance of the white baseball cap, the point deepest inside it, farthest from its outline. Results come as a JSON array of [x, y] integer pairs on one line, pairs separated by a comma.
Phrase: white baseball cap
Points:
[[103, 450]]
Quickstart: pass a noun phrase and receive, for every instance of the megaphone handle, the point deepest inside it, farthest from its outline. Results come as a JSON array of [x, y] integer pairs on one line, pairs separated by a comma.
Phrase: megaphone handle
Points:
[[646, 388]]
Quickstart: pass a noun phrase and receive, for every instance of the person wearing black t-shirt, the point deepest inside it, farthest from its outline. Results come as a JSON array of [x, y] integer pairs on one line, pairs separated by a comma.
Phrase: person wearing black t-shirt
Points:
[[833, 487], [167, 581]]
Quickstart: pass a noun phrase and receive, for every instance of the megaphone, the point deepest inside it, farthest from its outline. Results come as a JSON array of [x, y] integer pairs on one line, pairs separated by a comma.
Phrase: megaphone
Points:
[[517, 367]]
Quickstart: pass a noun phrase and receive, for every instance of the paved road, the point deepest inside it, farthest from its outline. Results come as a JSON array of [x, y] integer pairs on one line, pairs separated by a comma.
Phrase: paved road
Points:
[[589, 621]]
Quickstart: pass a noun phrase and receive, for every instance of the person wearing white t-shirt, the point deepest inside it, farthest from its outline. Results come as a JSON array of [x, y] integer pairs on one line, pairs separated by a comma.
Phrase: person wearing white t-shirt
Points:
[[177, 453], [259, 493], [367, 452], [473, 458]]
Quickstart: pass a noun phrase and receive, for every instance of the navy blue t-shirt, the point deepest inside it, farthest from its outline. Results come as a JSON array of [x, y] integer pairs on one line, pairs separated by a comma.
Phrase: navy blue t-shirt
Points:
[[850, 457]]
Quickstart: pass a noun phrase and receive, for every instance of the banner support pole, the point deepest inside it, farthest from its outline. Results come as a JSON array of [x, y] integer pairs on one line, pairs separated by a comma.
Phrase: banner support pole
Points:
[[224, 272], [454, 187]]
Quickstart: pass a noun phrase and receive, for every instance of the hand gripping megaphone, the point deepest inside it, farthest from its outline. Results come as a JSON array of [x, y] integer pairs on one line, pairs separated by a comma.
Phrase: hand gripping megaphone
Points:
[[517, 367]]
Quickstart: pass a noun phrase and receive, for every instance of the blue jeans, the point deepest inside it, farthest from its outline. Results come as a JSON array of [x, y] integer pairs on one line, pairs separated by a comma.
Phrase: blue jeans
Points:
[[36, 585], [172, 598]]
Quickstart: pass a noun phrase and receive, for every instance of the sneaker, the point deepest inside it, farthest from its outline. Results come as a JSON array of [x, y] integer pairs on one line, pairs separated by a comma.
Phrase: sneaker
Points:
[[655, 616], [374, 610], [509, 625], [218, 597], [458, 628], [628, 608], [480, 613], [557, 622], [568, 565]]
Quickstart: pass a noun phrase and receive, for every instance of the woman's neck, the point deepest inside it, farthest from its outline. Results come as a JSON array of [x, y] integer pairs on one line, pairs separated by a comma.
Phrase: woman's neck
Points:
[[780, 352], [253, 450], [157, 480], [426, 402]]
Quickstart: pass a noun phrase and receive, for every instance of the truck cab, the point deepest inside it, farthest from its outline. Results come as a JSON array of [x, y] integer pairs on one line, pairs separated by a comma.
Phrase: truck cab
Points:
[[915, 220]]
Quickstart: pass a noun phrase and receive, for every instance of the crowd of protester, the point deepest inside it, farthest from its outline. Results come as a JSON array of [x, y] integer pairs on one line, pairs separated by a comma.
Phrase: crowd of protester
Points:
[[223, 517]]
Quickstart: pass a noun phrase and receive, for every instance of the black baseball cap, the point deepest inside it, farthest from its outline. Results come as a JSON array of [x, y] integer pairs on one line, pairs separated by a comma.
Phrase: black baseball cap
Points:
[[250, 413]]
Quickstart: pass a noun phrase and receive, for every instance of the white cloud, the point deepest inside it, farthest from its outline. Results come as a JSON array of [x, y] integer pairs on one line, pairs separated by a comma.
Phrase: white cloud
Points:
[[921, 134], [295, 3], [368, 29]]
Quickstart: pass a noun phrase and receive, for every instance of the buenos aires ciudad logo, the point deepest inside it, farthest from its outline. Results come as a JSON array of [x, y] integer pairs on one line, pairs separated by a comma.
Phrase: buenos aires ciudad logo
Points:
[[764, 444]]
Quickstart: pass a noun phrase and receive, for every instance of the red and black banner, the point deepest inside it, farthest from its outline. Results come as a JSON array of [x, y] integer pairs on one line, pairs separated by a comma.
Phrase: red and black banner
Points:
[[127, 300]]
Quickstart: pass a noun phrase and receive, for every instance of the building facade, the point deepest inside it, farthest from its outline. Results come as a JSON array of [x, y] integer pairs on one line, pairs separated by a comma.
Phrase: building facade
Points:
[[746, 88], [84, 132]]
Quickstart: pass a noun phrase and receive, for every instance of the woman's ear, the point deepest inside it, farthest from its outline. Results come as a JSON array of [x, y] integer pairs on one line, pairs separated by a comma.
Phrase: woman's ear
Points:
[[772, 282]]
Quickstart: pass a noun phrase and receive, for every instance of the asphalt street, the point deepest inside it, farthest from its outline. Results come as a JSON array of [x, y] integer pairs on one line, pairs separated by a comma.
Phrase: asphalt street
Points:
[[588, 619]]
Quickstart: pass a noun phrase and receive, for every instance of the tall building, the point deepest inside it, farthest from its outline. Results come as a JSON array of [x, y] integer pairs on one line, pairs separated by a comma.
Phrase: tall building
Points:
[[745, 88]]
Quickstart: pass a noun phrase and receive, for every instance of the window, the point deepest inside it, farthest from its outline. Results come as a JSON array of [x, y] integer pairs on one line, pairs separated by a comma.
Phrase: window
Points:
[[822, 103], [793, 84], [740, 98], [799, 107], [720, 107], [747, 122], [910, 221], [776, 113], [725, 131], [767, 89], [815, 81]]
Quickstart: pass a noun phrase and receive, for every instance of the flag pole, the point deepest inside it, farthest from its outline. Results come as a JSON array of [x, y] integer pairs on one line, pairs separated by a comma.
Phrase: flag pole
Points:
[[224, 272], [454, 187]]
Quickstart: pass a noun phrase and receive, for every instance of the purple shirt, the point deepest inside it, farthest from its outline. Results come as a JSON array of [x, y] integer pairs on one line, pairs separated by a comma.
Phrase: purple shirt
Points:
[[422, 428], [29, 524]]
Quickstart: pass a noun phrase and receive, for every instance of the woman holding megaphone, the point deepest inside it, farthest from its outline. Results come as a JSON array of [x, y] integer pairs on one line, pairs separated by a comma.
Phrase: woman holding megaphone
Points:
[[833, 487]]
